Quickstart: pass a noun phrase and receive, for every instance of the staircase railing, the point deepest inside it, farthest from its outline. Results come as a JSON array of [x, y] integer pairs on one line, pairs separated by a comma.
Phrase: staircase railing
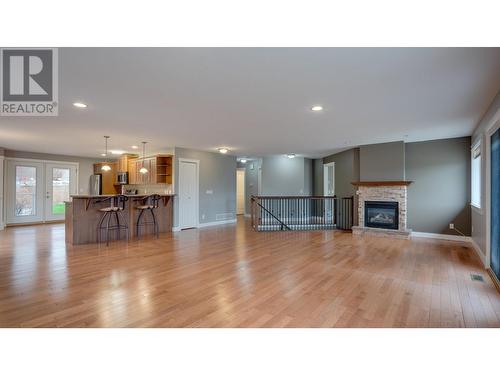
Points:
[[275, 213]]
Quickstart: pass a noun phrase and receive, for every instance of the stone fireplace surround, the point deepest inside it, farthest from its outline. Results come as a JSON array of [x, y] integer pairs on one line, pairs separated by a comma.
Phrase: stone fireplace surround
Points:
[[385, 191]]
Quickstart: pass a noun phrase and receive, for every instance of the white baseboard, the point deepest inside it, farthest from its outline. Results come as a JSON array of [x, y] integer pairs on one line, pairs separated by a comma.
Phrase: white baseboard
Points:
[[478, 251], [438, 236], [220, 222], [209, 224]]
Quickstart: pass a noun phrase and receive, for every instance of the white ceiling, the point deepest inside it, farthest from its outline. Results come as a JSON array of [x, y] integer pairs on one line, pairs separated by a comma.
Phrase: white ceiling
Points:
[[256, 101]]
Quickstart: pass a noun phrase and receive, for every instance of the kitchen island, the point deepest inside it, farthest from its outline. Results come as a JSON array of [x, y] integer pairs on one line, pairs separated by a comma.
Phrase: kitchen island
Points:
[[83, 215]]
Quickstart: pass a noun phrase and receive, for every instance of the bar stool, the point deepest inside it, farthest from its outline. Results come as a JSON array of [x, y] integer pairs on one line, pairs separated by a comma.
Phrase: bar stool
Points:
[[117, 206], [149, 203]]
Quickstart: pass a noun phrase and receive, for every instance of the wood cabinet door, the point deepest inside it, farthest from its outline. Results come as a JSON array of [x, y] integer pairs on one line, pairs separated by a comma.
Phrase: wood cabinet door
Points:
[[153, 178], [123, 164], [132, 172]]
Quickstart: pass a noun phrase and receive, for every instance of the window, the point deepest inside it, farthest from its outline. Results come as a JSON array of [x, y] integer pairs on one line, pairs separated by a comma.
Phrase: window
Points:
[[476, 175]]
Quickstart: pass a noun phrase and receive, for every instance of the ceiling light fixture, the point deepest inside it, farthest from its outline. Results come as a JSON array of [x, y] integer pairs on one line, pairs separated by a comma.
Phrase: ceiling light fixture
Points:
[[135, 147], [106, 167], [316, 108], [80, 105], [290, 156], [223, 150], [117, 152], [143, 170], [243, 160]]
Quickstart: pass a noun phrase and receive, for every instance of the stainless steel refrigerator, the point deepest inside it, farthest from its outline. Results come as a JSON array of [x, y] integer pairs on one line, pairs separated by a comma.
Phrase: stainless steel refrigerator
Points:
[[96, 184]]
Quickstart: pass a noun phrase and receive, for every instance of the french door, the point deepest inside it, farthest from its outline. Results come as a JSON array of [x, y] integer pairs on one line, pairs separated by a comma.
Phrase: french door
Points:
[[36, 190], [60, 182]]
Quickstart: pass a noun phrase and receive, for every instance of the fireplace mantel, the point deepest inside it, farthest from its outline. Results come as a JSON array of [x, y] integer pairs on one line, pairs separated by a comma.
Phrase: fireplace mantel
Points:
[[381, 183]]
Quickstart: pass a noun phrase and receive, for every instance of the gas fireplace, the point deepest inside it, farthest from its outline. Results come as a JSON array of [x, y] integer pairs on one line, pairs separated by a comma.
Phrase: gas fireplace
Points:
[[383, 215]]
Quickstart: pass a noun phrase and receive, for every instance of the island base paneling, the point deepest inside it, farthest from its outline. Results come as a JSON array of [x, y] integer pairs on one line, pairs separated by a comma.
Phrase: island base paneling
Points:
[[83, 215]]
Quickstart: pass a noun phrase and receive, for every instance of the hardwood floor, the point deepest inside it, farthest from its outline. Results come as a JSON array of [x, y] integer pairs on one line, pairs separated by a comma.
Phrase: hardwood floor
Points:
[[231, 276]]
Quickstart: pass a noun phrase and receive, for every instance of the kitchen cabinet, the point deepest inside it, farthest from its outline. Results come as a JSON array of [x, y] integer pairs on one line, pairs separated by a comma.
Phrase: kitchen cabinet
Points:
[[159, 170], [123, 162], [132, 172]]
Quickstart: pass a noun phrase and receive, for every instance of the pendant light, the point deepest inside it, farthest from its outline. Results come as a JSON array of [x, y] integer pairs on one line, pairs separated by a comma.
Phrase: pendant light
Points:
[[143, 170], [105, 167]]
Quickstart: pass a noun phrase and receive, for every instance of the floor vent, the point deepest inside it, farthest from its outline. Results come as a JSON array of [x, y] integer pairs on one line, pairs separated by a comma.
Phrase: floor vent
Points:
[[476, 277]]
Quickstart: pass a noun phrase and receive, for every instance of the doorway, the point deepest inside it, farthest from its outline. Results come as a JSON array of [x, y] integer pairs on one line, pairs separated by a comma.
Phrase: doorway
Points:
[[36, 190], [329, 179], [188, 193], [240, 191]]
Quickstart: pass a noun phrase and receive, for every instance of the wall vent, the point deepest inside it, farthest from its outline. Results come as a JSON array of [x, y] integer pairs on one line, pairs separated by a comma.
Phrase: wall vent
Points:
[[226, 216], [476, 277]]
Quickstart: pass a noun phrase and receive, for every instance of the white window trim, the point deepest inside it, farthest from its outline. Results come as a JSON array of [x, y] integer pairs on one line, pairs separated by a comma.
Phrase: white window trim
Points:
[[475, 207]]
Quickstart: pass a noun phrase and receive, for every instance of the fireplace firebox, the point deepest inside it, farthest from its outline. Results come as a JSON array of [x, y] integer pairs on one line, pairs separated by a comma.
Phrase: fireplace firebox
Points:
[[381, 215]]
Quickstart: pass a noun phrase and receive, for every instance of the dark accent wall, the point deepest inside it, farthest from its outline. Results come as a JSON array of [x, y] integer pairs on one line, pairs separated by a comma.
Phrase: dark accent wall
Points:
[[440, 169], [346, 171], [440, 193], [382, 162], [318, 176]]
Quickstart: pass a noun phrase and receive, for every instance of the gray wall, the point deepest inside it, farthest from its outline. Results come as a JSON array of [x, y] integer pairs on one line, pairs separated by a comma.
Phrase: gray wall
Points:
[[479, 216], [308, 176], [440, 192], [217, 173], [86, 165], [382, 162], [318, 176], [284, 176], [346, 171]]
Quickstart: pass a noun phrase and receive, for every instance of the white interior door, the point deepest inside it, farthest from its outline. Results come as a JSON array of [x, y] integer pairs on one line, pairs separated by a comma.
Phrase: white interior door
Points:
[[240, 191], [188, 194], [329, 179], [25, 187], [60, 182]]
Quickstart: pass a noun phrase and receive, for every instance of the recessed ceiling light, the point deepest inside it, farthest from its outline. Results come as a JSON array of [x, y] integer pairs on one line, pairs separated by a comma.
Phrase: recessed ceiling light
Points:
[[117, 152], [316, 108], [290, 156], [103, 154], [80, 105], [135, 147], [223, 150], [243, 160]]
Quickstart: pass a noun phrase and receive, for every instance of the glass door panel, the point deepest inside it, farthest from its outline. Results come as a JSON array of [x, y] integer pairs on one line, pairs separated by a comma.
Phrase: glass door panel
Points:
[[24, 192], [60, 185]]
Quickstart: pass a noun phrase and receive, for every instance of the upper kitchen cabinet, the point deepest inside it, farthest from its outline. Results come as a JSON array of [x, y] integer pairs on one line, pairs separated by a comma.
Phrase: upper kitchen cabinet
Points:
[[123, 162], [159, 170]]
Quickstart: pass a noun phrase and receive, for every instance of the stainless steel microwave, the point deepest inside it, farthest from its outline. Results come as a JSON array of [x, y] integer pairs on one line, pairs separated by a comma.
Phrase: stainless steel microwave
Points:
[[122, 178]]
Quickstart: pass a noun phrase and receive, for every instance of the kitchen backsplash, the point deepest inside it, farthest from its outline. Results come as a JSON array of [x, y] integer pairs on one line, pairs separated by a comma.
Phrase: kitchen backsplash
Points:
[[152, 188]]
